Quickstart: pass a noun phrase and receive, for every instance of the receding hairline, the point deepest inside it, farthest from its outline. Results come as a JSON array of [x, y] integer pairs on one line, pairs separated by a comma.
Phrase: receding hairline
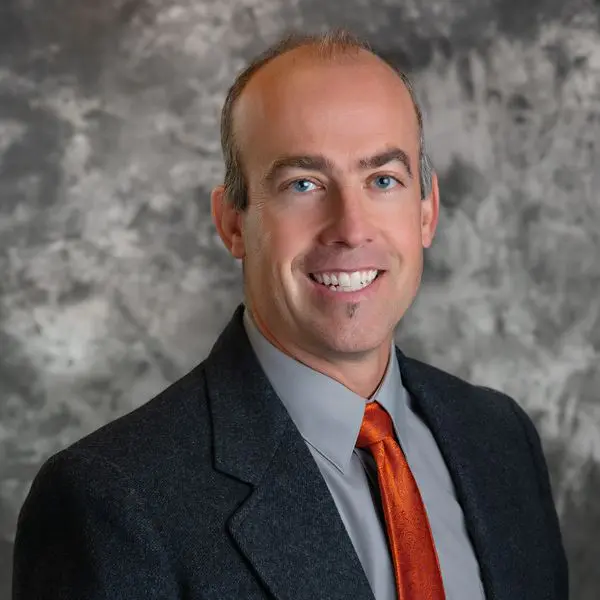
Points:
[[323, 53], [333, 46], [309, 54]]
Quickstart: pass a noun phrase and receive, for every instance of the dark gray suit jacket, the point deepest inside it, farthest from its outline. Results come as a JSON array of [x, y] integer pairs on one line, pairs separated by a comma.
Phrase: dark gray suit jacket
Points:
[[208, 491]]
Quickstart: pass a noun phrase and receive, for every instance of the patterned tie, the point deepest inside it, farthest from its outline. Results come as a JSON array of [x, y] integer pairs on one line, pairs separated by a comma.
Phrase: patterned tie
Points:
[[416, 565]]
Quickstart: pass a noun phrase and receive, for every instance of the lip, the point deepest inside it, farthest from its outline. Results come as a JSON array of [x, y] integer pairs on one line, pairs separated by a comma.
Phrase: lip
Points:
[[324, 291]]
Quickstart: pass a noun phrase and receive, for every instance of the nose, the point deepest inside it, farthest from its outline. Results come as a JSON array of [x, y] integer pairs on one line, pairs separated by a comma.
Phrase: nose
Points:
[[349, 221]]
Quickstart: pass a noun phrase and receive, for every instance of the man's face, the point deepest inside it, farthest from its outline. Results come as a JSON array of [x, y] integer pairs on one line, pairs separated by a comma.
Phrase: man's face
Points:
[[330, 153]]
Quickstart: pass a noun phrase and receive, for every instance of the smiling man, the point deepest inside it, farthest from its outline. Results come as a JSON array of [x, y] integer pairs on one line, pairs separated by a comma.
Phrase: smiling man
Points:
[[307, 456], [331, 219]]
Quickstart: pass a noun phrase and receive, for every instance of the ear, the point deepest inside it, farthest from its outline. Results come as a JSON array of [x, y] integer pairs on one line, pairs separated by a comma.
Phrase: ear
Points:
[[228, 222], [430, 209]]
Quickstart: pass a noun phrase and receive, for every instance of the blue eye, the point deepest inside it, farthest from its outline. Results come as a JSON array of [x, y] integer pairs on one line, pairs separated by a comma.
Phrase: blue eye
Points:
[[385, 182], [302, 185]]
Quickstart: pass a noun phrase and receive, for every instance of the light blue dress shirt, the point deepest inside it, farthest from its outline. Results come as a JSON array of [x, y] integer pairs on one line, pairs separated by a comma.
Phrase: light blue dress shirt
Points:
[[328, 416]]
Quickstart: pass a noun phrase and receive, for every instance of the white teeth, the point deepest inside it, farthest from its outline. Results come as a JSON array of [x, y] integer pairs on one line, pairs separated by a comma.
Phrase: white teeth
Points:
[[346, 282], [344, 279]]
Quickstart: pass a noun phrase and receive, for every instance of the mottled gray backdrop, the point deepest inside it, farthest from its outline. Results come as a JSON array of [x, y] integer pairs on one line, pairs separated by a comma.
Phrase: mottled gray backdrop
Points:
[[113, 282]]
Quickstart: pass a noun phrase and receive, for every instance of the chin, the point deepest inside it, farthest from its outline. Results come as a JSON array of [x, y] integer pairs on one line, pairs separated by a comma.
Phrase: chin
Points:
[[358, 340]]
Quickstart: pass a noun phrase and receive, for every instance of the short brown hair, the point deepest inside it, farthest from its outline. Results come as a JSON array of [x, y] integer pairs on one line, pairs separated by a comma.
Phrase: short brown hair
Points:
[[336, 43]]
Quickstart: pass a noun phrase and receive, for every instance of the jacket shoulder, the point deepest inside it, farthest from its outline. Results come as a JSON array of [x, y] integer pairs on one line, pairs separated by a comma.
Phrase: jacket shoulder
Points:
[[486, 399], [160, 435]]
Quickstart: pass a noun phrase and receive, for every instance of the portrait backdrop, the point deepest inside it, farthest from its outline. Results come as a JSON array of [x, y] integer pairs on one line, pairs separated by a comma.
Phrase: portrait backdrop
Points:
[[114, 283]]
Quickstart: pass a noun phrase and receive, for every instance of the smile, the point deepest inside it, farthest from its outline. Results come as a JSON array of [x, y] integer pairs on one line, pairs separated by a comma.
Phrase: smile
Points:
[[346, 281]]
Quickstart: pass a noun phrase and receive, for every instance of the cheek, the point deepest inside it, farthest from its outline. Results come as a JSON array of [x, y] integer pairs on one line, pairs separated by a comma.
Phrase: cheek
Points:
[[288, 240], [403, 232]]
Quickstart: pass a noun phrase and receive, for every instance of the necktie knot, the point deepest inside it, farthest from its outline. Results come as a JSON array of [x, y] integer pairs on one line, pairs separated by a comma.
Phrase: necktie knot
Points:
[[376, 426]]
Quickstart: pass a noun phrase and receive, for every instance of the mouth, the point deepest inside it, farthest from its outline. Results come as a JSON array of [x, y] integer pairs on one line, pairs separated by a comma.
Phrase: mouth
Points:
[[346, 281]]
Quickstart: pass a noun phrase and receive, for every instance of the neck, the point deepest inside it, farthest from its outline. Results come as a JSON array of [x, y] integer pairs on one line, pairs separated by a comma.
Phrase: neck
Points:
[[362, 374]]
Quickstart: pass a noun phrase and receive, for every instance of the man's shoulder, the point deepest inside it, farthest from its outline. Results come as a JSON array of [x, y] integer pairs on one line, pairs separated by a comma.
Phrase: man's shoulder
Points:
[[453, 383], [484, 416], [162, 435], [144, 469], [487, 402]]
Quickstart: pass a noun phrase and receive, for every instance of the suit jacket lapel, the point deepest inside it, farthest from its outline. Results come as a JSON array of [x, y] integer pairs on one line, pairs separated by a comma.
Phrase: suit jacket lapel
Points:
[[484, 454], [288, 528]]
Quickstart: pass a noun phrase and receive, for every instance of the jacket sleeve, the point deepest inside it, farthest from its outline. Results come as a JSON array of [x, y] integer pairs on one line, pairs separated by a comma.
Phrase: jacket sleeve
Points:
[[547, 500], [84, 534]]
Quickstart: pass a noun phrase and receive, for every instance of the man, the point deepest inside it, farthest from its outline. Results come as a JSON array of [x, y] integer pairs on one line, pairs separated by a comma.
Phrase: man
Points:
[[307, 457]]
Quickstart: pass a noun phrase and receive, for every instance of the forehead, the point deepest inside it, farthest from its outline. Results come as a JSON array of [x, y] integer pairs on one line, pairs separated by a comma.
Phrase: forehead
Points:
[[302, 103]]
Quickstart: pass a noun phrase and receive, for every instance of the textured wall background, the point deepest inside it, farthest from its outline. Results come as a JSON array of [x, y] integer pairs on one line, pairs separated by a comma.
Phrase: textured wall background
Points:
[[113, 283]]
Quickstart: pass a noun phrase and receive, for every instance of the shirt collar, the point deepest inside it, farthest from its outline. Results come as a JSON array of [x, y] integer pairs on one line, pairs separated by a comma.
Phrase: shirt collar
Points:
[[327, 414]]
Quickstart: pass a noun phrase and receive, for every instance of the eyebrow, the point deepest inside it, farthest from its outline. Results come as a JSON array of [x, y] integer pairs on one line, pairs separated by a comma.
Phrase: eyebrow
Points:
[[318, 162]]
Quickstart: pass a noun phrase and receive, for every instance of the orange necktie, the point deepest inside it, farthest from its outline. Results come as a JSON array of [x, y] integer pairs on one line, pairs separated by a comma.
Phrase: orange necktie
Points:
[[416, 565]]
